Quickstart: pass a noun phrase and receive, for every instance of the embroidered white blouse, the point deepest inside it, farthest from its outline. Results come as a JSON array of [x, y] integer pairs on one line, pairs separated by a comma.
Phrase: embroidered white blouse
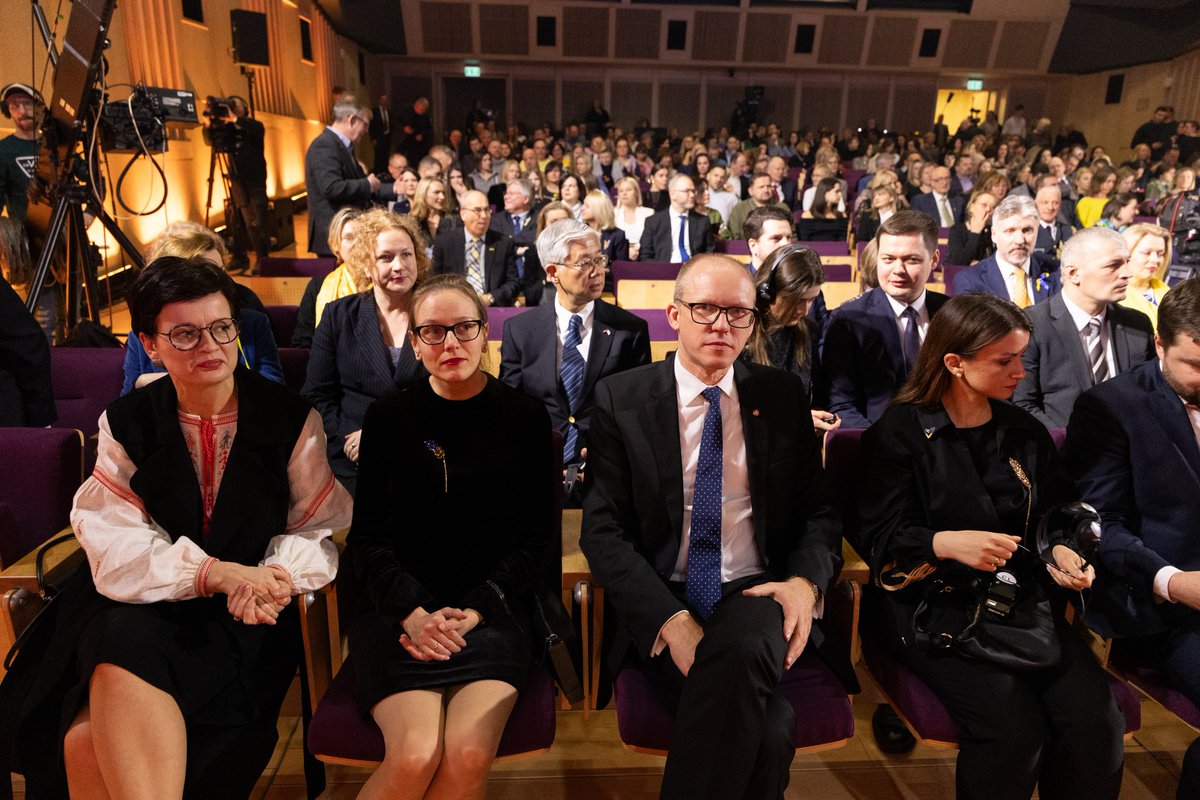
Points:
[[133, 559]]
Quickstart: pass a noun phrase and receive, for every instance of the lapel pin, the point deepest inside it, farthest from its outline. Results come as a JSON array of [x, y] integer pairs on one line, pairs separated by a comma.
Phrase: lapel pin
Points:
[[607, 332], [754, 413], [929, 432]]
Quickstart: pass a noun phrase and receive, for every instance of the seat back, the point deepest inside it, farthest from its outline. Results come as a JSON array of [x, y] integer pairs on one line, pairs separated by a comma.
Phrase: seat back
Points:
[[641, 270], [283, 323], [841, 478], [86, 380], [278, 267], [734, 247], [287, 291], [294, 363], [949, 271], [39, 473]]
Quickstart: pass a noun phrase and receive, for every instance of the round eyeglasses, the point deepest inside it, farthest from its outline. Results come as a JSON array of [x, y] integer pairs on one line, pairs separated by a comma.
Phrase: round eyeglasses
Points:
[[465, 331], [186, 337]]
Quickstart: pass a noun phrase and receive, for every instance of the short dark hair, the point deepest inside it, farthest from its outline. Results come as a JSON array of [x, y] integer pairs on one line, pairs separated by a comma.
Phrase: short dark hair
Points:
[[171, 279], [909, 223], [1179, 312], [752, 227], [1116, 203]]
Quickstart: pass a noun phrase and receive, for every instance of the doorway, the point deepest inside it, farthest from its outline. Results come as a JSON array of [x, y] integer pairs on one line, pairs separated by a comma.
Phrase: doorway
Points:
[[957, 104], [459, 96]]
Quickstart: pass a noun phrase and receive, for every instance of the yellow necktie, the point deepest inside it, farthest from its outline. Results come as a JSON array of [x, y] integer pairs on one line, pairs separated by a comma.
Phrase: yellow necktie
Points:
[[1020, 293]]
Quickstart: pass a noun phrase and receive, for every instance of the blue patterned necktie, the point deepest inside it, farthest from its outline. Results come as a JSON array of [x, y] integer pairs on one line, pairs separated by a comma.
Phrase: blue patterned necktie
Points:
[[572, 381], [704, 538], [683, 251], [912, 339]]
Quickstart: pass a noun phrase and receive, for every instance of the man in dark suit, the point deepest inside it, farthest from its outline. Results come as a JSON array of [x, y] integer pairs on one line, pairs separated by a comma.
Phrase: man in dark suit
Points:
[[332, 174], [26, 396], [381, 133], [1053, 232], [484, 257], [536, 356], [1132, 450], [704, 522], [943, 208], [1081, 337], [667, 237], [784, 188], [416, 131], [872, 341], [518, 222], [1014, 272]]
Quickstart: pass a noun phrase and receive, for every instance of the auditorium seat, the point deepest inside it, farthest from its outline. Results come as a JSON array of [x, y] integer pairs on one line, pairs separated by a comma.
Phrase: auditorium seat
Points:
[[294, 363], [283, 323], [85, 380], [39, 473], [1141, 667], [948, 273], [286, 291], [278, 267], [663, 338], [641, 270], [646, 293], [734, 247], [840, 249]]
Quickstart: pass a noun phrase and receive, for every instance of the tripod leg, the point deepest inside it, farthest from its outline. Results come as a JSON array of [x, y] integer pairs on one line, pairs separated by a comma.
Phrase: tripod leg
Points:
[[47, 255], [85, 267]]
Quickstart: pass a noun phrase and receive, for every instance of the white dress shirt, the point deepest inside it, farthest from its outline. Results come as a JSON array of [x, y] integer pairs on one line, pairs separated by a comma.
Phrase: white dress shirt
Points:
[[676, 224], [1080, 319], [562, 320], [1006, 269], [344, 139], [922, 315]]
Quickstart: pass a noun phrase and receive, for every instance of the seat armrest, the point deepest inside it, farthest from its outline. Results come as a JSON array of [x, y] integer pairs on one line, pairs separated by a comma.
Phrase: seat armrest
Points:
[[322, 638], [842, 608]]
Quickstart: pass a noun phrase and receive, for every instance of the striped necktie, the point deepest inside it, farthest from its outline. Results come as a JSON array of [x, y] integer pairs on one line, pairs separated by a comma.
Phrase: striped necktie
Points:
[[475, 265], [572, 381], [1095, 350]]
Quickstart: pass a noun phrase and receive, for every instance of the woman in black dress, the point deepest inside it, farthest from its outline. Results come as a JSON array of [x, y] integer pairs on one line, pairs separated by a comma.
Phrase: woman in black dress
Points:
[[956, 481], [451, 527]]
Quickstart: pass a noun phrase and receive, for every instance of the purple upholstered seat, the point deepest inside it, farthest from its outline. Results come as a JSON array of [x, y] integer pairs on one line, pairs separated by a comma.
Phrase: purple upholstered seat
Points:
[[823, 712], [656, 321], [948, 273], [86, 380], [735, 247], [1139, 667], [838, 273], [497, 316], [283, 323], [642, 271], [39, 472], [829, 248], [338, 732], [278, 267], [294, 362]]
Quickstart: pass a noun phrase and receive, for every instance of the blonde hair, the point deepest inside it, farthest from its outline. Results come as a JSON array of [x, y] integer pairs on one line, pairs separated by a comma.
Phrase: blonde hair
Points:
[[186, 239], [601, 206], [1134, 234], [637, 189], [450, 282], [420, 208], [360, 261], [343, 215]]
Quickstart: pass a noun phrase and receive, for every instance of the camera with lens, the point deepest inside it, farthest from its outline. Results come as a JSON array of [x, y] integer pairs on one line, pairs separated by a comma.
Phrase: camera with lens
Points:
[[219, 133]]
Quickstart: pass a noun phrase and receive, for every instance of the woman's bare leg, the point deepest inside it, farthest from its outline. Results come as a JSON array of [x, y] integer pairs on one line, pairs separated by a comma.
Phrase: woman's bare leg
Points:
[[138, 736], [84, 781], [412, 724], [476, 714]]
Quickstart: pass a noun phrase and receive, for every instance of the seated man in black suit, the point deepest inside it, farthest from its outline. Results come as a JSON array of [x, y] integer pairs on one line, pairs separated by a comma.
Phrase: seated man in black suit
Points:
[[704, 522], [872, 341], [1132, 451], [518, 221], [939, 204], [1081, 336], [556, 352], [484, 257], [1052, 231], [676, 233], [784, 188], [1014, 272]]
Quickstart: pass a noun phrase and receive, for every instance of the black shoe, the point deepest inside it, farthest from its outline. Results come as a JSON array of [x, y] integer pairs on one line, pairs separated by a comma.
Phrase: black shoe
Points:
[[891, 734]]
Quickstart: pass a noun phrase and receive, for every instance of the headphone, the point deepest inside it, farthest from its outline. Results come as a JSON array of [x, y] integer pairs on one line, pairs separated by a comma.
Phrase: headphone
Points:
[[13, 88], [766, 291]]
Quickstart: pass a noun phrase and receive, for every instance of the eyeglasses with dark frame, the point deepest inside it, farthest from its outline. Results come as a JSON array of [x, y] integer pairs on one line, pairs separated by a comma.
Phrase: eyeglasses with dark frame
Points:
[[466, 331], [597, 264], [186, 337], [707, 314]]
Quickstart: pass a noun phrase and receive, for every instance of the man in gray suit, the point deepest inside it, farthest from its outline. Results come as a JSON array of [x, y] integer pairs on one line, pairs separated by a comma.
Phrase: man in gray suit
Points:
[[1081, 337]]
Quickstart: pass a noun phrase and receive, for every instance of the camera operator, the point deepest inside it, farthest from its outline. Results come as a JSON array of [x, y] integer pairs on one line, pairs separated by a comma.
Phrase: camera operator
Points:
[[19, 150], [250, 165]]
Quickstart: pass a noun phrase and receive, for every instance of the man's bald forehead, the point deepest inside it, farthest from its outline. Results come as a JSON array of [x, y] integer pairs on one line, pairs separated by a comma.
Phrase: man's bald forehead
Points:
[[711, 263]]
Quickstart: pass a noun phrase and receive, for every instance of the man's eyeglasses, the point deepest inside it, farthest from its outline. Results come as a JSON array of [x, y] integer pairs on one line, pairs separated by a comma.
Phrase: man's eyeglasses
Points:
[[465, 331], [186, 337], [707, 314], [481, 212], [597, 264]]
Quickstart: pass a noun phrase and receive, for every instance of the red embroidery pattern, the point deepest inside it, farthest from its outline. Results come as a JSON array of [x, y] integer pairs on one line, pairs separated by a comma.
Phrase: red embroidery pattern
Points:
[[124, 492], [311, 511]]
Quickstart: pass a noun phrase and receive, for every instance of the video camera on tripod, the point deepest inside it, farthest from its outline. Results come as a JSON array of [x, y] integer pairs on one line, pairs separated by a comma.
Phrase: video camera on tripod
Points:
[[219, 132]]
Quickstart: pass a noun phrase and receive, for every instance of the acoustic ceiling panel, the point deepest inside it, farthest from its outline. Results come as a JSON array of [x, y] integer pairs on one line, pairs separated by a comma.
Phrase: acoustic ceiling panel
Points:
[[968, 44], [892, 41], [503, 29], [446, 27], [767, 38], [638, 32], [584, 32], [842, 39], [1022, 45], [715, 37]]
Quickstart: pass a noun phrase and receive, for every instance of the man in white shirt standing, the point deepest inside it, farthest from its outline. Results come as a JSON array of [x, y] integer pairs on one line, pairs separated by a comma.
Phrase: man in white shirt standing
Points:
[[1133, 450], [715, 596]]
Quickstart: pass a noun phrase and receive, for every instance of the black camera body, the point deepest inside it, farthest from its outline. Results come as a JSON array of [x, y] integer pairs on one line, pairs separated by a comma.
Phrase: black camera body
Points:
[[219, 134]]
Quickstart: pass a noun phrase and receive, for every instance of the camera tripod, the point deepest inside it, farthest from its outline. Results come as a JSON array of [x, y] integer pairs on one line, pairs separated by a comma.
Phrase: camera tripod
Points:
[[241, 222]]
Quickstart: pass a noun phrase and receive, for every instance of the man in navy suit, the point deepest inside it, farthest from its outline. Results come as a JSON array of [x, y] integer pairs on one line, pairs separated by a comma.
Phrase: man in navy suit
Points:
[[1081, 336], [611, 339], [662, 237], [1053, 232], [496, 278], [945, 210], [872, 341], [1132, 450], [1014, 272], [517, 221]]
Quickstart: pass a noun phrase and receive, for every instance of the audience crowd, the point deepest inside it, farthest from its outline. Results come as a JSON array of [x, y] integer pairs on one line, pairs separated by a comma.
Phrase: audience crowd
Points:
[[700, 479]]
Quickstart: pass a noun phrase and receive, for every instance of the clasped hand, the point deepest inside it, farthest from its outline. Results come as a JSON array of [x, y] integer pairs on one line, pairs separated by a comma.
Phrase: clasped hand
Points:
[[434, 636], [254, 595]]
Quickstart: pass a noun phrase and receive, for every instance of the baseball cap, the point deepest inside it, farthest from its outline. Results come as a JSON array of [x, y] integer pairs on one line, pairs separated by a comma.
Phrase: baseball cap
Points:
[[13, 88]]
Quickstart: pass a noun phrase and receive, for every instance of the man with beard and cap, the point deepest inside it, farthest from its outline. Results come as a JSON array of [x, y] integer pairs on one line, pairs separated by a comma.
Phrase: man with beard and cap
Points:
[[19, 150]]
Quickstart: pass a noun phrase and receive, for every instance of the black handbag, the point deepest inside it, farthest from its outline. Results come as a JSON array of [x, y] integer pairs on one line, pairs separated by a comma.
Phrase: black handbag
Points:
[[46, 594], [553, 627]]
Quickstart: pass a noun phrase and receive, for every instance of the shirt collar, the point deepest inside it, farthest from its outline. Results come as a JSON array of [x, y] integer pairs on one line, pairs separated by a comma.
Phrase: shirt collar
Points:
[[345, 140], [469, 239], [563, 317], [1007, 269], [689, 387], [898, 307], [1080, 317]]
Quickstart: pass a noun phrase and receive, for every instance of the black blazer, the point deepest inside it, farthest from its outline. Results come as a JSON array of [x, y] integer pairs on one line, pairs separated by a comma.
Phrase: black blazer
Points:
[[633, 492], [26, 396], [614, 245], [499, 263], [657, 242], [918, 477], [964, 246], [862, 357], [528, 358], [503, 222], [1047, 245], [333, 179], [1133, 456], [349, 368], [1056, 367]]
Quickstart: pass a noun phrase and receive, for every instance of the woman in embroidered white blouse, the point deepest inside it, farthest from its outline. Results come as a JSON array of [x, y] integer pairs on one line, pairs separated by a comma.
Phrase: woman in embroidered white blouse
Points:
[[132, 737]]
